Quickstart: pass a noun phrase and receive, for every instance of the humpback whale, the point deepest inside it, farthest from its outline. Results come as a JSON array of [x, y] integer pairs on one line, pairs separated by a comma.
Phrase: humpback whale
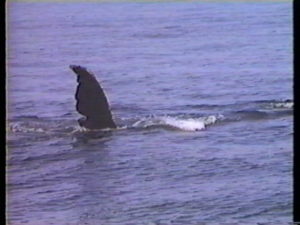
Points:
[[91, 101]]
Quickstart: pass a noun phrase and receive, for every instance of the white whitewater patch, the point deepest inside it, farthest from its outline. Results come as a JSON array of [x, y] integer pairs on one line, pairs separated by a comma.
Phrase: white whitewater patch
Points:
[[17, 127], [188, 124], [283, 105], [21, 127], [79, 129]]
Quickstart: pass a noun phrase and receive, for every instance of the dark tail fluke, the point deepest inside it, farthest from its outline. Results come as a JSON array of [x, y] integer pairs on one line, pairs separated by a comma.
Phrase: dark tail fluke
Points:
[[91, 101]]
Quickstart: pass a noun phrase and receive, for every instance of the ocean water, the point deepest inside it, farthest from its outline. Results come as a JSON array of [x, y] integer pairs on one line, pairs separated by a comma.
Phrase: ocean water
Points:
[[201, 93]]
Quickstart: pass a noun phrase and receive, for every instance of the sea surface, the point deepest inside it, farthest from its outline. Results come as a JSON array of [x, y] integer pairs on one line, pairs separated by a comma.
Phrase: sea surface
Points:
[[203, 97]]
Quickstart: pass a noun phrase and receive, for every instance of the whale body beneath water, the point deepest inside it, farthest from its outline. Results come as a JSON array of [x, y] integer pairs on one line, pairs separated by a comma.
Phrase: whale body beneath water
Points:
[[91, 101]]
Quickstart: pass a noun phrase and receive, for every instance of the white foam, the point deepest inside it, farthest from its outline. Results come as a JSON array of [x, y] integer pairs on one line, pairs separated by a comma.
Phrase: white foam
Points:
[[83, 129], [79, 129], [146, 122], [16, 127], [188, 124], [185, 124], [285, 105]]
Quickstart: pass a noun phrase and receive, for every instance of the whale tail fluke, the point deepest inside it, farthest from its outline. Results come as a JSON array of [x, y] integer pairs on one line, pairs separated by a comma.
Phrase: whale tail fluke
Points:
[[91, 101]]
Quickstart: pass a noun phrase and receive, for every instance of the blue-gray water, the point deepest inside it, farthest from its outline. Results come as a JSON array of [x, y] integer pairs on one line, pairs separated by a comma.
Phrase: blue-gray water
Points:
[[164, 68]]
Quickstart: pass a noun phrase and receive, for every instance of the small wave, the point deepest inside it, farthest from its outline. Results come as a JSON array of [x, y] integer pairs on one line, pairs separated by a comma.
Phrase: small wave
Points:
[[21, 128], [262, 109], [277, 104], [283, 105], [251, 115], [41, 128], [188, 124], [29, 117]]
